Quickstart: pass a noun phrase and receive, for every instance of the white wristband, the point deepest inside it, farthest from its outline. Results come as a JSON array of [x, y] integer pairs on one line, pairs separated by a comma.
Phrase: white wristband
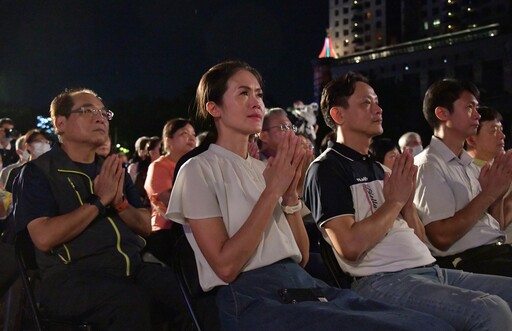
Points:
[[292, 209]]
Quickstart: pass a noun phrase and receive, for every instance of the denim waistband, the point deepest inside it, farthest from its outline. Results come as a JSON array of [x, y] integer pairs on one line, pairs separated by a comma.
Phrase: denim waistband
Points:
[[420, 267]]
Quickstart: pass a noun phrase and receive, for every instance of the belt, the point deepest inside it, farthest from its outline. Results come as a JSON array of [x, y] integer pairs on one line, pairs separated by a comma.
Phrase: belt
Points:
[[484, 252]]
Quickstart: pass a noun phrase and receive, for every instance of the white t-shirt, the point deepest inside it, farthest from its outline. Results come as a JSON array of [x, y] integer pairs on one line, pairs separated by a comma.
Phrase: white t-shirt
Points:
[[219, 183], [446, 184]]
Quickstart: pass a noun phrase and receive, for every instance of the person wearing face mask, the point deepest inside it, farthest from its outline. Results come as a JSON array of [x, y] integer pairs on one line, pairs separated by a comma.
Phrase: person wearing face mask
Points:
[[410, 141], [36, 144], [23, 154]]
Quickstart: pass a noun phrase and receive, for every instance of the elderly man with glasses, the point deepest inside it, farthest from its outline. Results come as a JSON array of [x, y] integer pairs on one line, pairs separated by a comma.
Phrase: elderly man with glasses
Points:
[[275, 126], [86, 221]]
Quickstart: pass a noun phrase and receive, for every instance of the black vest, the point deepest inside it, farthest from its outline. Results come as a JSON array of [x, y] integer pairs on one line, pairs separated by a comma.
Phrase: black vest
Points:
[[107, 244]]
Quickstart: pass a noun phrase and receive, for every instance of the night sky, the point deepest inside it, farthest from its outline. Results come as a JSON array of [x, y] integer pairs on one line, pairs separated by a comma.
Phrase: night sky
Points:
[[127, 49]]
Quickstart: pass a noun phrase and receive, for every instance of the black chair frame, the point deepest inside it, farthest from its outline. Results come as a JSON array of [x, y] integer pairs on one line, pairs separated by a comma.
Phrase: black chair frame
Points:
[[29, 274], [340, 278], [185, 269]]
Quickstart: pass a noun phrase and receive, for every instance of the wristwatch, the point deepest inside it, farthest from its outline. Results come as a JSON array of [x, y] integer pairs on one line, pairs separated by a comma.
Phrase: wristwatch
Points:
[[94, 200]]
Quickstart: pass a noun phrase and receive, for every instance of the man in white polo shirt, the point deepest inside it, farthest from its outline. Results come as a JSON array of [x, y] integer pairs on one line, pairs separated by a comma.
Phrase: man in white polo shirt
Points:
[[461, 206]]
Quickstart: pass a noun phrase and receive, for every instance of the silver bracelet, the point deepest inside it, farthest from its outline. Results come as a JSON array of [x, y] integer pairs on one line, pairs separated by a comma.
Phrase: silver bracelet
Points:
[[292, 209]]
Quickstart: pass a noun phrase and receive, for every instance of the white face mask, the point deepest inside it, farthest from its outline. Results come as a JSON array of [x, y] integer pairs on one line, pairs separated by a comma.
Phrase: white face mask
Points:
[[25, 156], [39, 148], [416, 150]]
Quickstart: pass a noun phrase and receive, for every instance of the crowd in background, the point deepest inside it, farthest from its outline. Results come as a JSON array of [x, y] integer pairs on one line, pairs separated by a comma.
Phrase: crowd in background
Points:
[[152, 172]]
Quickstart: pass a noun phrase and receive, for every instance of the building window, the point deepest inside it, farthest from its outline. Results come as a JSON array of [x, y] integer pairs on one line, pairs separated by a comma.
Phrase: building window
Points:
[[337, 23], [367, 38], [336, 12], [337, 35], [368, 15], [378, 24], [367, 27], [345, 32], [345, 10], [345, 21], [378, 12], [378, 2], [336, 2], [435, 11]]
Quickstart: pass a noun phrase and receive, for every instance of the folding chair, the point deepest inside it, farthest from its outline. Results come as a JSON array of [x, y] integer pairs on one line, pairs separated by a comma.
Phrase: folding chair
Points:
[[339, 277], [29, 274], [201, 305]]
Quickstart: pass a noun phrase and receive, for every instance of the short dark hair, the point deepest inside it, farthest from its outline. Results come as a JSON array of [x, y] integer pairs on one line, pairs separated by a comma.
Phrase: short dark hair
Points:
[[444, 93], [379, 148], [337, 92], [32, 135], [488, 114], [6, 120], [61, 105]]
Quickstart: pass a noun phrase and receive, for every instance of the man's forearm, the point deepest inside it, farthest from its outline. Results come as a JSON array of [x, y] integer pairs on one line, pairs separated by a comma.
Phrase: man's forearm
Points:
[[410, 214], [49, 232], [137, 219]]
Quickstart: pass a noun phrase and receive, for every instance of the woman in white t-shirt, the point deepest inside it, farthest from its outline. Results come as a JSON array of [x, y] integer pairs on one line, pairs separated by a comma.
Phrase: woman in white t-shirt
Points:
[[242, 219]]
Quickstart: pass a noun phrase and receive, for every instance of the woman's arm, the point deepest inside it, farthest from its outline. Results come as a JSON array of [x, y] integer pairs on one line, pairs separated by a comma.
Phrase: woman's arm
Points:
[[228, 255], [300, 235]]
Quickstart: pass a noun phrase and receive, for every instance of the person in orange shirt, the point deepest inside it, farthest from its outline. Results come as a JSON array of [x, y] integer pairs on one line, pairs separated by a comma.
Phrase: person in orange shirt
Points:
[[178, 139]]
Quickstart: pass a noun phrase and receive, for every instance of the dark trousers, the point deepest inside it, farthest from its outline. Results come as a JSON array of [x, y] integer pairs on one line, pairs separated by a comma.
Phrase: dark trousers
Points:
[[491, 259], [161, 243], [116, 303]]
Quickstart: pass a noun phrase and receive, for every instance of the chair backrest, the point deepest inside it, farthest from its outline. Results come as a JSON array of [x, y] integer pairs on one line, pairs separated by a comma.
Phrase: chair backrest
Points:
[[201, 305], [29, 273], [340, 278]]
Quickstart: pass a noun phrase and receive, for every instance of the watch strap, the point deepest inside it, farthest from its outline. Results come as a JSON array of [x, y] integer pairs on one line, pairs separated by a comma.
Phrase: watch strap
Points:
[[292, 209], [94, 200]]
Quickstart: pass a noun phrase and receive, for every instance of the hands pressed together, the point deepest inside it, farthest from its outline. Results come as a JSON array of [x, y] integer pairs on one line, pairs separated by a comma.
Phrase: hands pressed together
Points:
[[496, 177], [283, 171], [400, 186], [109, 183]]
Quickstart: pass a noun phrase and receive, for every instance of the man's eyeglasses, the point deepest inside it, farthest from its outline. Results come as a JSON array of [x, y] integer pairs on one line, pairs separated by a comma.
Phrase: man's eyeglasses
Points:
[[105, 113], [283, 128]]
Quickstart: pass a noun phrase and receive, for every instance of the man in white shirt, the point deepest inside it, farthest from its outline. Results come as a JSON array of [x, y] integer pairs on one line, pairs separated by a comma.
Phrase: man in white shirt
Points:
[[461, 206]]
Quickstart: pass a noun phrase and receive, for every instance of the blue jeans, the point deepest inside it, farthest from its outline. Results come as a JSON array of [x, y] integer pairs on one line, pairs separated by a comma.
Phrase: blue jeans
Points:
[[251, 302], [467, 301]]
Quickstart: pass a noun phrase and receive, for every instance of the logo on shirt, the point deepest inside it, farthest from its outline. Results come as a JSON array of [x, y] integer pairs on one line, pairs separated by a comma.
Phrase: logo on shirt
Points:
[[362, 179], [370, 195]]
